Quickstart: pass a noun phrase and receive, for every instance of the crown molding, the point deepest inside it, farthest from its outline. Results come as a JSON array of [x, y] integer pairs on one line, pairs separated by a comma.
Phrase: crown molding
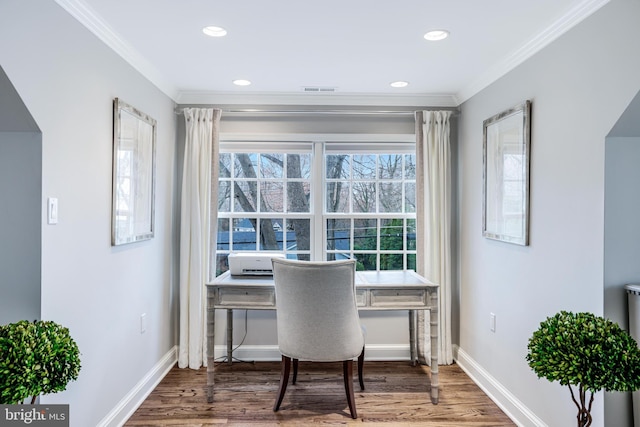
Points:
[[574, 16], [94, 23], [336, 99]]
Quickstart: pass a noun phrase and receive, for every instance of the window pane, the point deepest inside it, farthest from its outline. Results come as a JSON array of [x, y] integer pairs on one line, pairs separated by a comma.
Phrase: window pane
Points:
[[410, 197], [411, 262], [223, 234], [299, 166], [339, 234], [391, 261], [411, 234], [271, 234], [272, 196], [245, 165], [390, 166], [365, 262], [271, 165], [365, 234], [391, 235], [390, 199], [225, 165], [298, 194], [364, 196], [224, 196], [222, 263], [364, 166], [337, 197], [409, 166], [246, 194], [298, 237], [337, 166], [244, 234]]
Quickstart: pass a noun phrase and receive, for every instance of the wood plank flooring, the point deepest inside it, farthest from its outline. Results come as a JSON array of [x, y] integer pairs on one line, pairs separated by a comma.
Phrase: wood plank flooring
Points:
[[396, 394]]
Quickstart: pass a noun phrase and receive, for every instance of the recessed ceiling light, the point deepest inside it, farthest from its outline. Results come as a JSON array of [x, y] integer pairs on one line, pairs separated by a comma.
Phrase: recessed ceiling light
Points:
[[400, 84], [241, 82], [214, 31], [436, 35]]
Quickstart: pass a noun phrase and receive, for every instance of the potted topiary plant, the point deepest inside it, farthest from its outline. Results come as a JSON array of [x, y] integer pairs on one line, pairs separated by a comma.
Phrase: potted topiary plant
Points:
[[585, 351], [36, 358]]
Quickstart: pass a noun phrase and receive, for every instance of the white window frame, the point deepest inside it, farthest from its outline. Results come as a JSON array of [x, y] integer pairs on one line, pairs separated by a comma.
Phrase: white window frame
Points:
[[270, 148], [318, 145], [379, 147]]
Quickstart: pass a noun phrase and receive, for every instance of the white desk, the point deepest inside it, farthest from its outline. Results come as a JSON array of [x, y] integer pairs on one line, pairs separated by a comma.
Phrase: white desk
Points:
[[375, 290]]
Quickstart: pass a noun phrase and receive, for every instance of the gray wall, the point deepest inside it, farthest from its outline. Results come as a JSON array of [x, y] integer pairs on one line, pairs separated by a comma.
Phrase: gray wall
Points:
[[67, 79], [20, 225], [20, 209], [579, 86]]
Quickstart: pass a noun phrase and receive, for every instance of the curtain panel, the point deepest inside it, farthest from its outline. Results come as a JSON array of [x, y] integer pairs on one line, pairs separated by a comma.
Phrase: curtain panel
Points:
[[199, 188], [433, 223]]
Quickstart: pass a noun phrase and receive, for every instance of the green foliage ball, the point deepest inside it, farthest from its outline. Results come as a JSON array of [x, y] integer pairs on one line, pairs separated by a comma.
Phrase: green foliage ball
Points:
[[35, 358], [585, 349]]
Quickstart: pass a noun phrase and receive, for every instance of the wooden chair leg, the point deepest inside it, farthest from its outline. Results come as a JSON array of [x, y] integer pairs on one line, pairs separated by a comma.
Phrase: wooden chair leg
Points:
[[284, 379], [347, 369], [360, 369], [295, 370]]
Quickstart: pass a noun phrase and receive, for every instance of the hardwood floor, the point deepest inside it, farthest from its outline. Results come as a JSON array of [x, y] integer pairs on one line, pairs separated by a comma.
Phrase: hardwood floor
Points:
[[396, 394]]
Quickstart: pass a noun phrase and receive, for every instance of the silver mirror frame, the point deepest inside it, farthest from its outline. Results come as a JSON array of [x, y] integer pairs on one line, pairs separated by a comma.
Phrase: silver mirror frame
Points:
[[506, 164], [134, 174]]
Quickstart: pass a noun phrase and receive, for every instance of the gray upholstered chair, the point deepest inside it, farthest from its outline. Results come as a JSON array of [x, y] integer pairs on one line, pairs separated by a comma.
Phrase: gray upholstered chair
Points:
[[317, 319]]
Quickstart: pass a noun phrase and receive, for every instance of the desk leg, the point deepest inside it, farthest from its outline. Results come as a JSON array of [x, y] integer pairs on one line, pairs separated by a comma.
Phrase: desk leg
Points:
[[229, 336], [211, 316], [421, 335], [412, 337], [433, 314]]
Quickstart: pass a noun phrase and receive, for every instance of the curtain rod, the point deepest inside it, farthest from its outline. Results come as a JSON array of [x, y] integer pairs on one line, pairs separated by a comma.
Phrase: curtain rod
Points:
[[318, 111]]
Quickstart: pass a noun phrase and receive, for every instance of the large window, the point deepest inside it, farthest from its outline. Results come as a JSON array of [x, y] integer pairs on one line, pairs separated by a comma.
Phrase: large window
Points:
[[319, 201], [370, 205]]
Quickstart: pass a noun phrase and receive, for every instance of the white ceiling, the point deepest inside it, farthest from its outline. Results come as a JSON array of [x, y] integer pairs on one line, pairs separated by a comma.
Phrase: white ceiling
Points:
[[355, 46]]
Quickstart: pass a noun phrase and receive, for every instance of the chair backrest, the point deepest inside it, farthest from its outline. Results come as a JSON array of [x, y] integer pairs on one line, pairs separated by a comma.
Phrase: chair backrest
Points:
[[317, 317]]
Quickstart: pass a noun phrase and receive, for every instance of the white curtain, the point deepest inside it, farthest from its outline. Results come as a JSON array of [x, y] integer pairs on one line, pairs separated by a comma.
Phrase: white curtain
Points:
[[199, 187], [433, 260]]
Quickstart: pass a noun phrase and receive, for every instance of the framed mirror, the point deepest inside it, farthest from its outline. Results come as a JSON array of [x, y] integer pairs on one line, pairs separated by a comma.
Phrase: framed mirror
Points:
[[506, 152], [134, 141]]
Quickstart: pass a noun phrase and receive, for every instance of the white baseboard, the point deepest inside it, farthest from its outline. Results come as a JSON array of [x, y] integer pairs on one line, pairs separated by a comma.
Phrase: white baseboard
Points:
[[510, 405], [270, 353], [128, 405]]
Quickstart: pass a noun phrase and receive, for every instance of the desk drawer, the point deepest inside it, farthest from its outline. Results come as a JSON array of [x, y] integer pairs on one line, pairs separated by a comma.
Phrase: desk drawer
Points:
[[400, 298], [246, 298]]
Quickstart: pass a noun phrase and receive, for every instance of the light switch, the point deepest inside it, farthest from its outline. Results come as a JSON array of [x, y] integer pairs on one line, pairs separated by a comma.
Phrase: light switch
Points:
[[52, 210], [143, 323]]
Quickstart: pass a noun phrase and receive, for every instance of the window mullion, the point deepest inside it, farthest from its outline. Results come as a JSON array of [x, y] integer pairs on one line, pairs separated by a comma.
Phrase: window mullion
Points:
[[318, 227]]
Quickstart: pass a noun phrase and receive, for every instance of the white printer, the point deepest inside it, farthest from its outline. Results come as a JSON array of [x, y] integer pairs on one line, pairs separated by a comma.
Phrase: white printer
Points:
[[252, 263]]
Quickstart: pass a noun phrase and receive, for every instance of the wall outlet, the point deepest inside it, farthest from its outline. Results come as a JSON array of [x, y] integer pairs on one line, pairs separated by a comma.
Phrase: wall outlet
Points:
[[143, 323], [492, 322]]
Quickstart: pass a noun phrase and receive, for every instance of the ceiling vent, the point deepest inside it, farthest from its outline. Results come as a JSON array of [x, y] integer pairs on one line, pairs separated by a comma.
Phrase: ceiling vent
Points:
[[319, 89]]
